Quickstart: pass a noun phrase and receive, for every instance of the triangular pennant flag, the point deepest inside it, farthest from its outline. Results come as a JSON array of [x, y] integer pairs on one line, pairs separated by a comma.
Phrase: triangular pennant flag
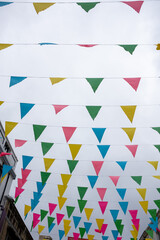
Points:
[[92, 180], [36, 216], [103, 228], [6, 169], [114, 214], [137, 179], [44, 177], [88, 212], [99, 132], [25, 173], [122, 164], [4, 45], [15, 80], [1, 102], [97, 166], [136, 223], [87, 5], [82, 204], [72, 164], [103, 149], [129, 48], [158, 46], [74, 148], [157, 146], [99, 223], [104, 237], [19, 143], [94, 82], [27, 208], [93, 111], [9, 126], [101, 192], [50, 221], [48, 163], [40, 228], [61, 234], [142, 192], [82, 191], [70, 210], [133, 213], [87, 45], [43, 214], [115, 234], [37, 196], [144, 205], [35, 222], [25, 108], [130, 132], [61, 202], [34, 203], [76, 221], [38, 129], [132, 149], [157, 202], [123, 206], [158, 177], [56, 80], [46, 147], [18, 191], [156, 129], [65, 178], [26, 160], [61, 189], [90, 237], [121, 192], [52, 207], [59, 217], [133, 82], [68, 132], [129, 111], [158, 189], [119, 226], [136, 5], [41, 6], [40, 186], [103, 206], [2, 4], [66, 230], [87, 226], [134, 233], [150, 233], [114, 179], [153, 213], [76, 235], [58, 108], [82, 231], [51, 227]]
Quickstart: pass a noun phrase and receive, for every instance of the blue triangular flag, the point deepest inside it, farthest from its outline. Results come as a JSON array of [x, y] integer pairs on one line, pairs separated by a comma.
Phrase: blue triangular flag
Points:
[[114, 214], [6, 169], [15, 80], [122, 164], [76, 221], [40, 186], [154, 224], [4, 3], [61, 234], [124, 206], [99, 133], [37, 196], [34, 203], [87, 226], [121, 192], [47, 43], [92, 180], [26, 160], [104, 237], [25, 108], [51, 227], [103, 149], [115, 234]]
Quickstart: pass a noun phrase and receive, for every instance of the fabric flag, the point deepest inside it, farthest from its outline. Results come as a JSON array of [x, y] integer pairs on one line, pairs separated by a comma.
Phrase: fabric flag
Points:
[[59, 217], [133, 213], [90, 237], [87, 226], [82, 204], [44, 177], [46, 147], [92, 180], [56, 80], [62, 189], [103, 149], [40, 229], [59, 108], [61, 234], [27, 208], [137, 179], [18, 191], [158, 147], [157, 202], [37, 196], [124, 206], [87, 45], [52, 207], [121, 192], [48, 163], [114, 179], [119, 226], [122, 164], [72, 164], [82, 231], [104, 237], [136, 223], [26, 160], [99, 132], [1, 102], [50, 221], [66, 230], [41, 6], [114, 214], [153, 213], [154, 164], [115, 234], [87, 6], [93, 111], [9, 126], [15, 80], [76, 221], [6, 169], [129, 111], [21, 182], [156, 129], [94, 82], [136, 5], [158, 46], [132, 149], [74, 148], [25, 173], [130, 132], [101, 192], [103, 206], [144, 205], [4, 45], [82, 191], [34, 204], [76, 235], [38, 129], [88, 212], [61, 202], [68, 132], [2, 4], [65, 178], [25, 108], [97, 166], [99, 223], [133, 82], [129, 48], [70, 210], [19, 143], [43, 214]]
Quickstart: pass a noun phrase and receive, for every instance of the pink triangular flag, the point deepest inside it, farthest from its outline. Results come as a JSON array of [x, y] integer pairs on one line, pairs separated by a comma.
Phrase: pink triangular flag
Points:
[[97, 230], [119, 238], [18, 191], [101, 192], [133, 213], [136, 223], [36, 216], [114, 179], [76, 236], [87, 45], [2, 154], [59, 217], [103, 206], [58, 108], [68, 132], [35, 223], [52, 206], [136, 5], [132, 149], [97, 166], [19, 143], [25, 173], [103, 228], [134, 82], [21, 182]]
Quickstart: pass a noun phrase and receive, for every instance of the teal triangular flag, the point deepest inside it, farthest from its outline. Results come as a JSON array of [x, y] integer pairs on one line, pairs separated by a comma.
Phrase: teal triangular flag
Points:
[[6, 169], [103, 149], [76, 221], [123, 206], [87, 5], [40, 186], [34, 204], [115, 234], [15, 80], [2, 4], [94, 82], [92, 180], [51, 227], [26, 160], [121, 192], [122, 164], [104, 237], [87, 226], [114, 214], [37, 196], [61, 234], [129, 48], [25, 108], [99, 133]]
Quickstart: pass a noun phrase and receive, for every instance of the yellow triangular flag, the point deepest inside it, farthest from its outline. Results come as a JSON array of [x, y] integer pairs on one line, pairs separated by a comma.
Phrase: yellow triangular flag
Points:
[[90, 237], [27, 208], [142, 192], [144, 205], [41, 6], [134, 232], [158, 177], [99, 223], [3, 178], [154, 164], [1, 102], [88, 212], [65, 178], [48, 162], [130, 132], [56, 80], [3, 46], [129, 111], [40, 228], [74, 148], [62, 189], [66, 222], [9, 127], [66, 229], [158, 46], [61, 201]]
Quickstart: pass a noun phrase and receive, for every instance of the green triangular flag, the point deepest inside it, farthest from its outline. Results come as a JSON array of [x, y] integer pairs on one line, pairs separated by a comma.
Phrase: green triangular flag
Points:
[[82, 191], [158, 189], [46, 147], [150, 233], [50, 220], [94, 82], [38, 129], [153, 213], [81, 204], [87, 5], [70, 210], [72, 164], [137, 179], [15, 201], [44, 177], [157, 202], [158, 147], [93, 111], [82, 231], [129, 48], [31, 227], [156, 129], [119, 226], [43, 214]]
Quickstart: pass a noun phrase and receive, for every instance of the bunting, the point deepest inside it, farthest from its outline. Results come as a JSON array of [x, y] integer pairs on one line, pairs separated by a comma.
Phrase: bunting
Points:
[[87, 6], [41, 6]]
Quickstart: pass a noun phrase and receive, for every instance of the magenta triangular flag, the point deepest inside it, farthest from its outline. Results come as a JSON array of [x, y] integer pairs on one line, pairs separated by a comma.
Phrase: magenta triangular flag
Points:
[[103, 206], [136, 223], [58, 108], [119, 238], [97, 166], [52, 207], [103, 228], [136, 5], [19, 143], [21, 182], [35, 223], [133, 82], [18, 191], [36, 216], [76, 235], [25, 173], [101, 192], [133, 213], [59, 217], [68, 132], [114, 179], [132, 149]]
